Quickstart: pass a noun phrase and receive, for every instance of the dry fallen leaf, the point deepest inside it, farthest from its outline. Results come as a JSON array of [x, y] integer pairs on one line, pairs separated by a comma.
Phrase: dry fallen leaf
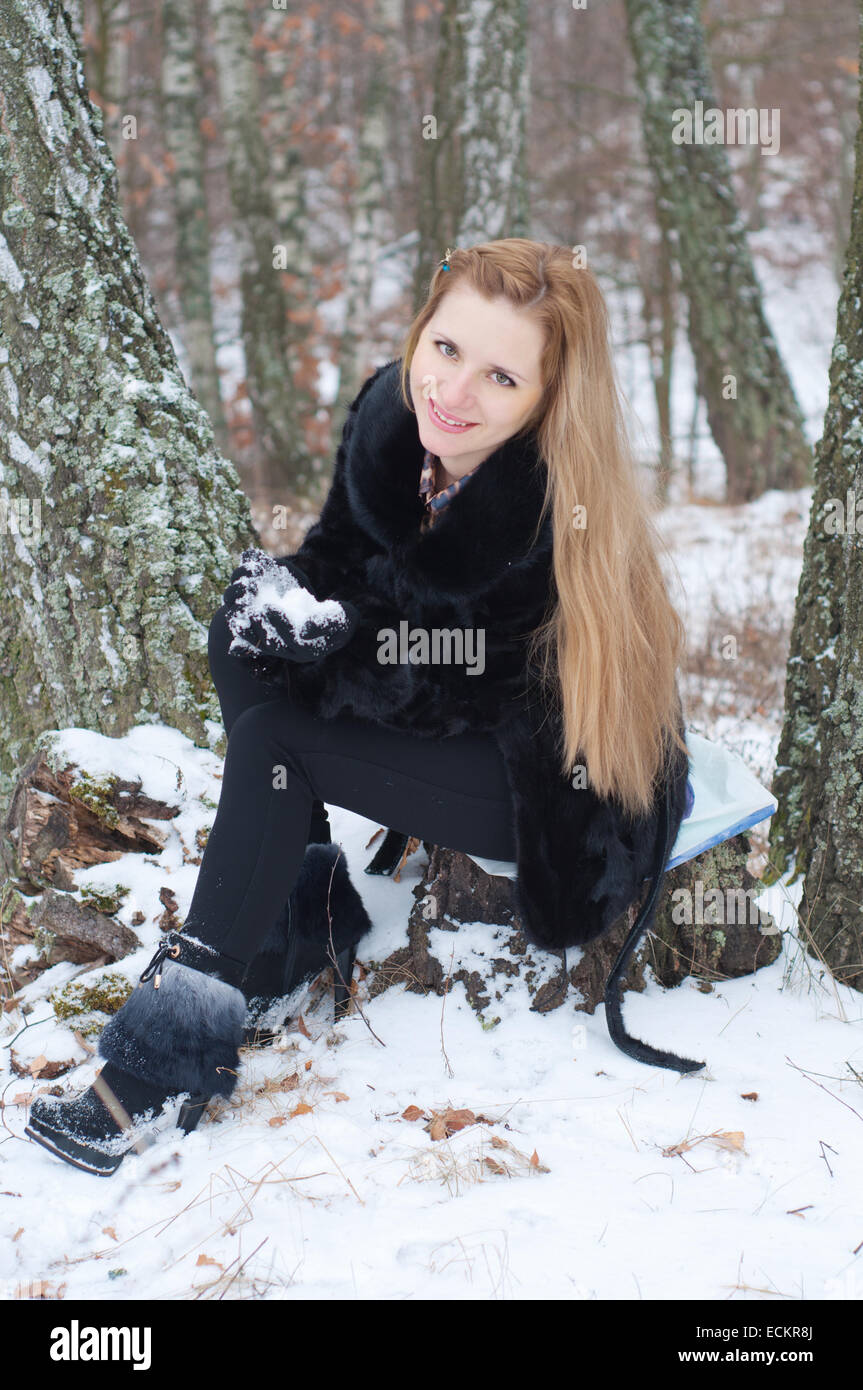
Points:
[[339, 1095], [275, 1121], [518, 1158], [207, 1260], [494, 1166], [301, 1109], [301, 1028], [413, 1112], [40, 1068], [289, 1083], [412, 845], [109, 1231], [728, 1138], [450, 1122], [724, 1138], [437, 1127], [39, 1289], [749, 1095]]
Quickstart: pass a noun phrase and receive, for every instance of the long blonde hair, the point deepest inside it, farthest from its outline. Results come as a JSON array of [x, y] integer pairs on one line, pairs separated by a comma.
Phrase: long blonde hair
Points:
[[611, 641]]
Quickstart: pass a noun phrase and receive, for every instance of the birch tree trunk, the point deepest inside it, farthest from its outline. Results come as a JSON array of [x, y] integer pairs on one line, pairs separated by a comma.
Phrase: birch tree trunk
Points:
[[122, 522], [288, 91], [181, 82], [751, 407], [282, 454], [474, 180], [284, 89], [367, 219], [819, 778]]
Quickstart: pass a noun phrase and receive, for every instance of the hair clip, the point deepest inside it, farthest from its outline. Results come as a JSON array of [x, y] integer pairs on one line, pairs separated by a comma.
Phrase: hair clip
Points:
[[445, 261]]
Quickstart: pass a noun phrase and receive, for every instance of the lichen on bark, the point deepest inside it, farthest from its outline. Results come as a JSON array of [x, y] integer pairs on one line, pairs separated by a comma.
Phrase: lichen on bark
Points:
[[106, 602]]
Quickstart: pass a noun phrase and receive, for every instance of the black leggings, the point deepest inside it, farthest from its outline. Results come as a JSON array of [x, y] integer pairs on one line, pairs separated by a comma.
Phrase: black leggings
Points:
[[282, 763]]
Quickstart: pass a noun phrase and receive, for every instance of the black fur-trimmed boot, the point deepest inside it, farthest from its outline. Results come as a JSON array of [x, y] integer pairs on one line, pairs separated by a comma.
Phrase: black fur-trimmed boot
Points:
[[178, 1034], [297, 947]]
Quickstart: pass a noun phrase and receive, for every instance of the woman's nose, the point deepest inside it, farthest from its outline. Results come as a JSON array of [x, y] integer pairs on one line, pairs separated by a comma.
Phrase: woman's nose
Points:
[[458, 392]]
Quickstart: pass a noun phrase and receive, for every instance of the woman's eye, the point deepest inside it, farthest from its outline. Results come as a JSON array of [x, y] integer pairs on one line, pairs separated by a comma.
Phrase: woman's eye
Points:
[[507, 380]]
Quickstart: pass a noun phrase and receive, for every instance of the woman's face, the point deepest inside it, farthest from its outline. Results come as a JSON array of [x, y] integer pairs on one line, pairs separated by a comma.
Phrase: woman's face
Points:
[[478, 362]]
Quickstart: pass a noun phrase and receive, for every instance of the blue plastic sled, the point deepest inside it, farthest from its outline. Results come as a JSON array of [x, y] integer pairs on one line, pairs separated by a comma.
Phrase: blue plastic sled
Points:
[[726, 799]]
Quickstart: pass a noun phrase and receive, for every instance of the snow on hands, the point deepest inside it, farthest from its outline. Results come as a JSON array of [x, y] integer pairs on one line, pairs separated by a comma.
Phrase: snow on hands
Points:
[[270, 611]]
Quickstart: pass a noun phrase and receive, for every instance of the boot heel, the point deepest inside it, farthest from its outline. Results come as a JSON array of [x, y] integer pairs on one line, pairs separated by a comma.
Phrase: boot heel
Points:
[[342, 992], [190, 1113]]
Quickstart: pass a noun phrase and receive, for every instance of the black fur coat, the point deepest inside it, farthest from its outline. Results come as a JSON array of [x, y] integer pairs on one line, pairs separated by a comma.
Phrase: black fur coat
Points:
[[580, 861]]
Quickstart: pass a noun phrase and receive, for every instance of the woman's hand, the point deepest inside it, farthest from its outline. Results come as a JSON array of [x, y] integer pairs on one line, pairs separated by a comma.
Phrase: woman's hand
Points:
[[255, 564], [272, 612], [273, 633]]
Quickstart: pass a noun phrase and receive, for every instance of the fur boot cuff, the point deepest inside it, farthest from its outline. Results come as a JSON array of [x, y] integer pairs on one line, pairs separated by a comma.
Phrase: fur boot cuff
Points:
[[183, 1035], [325, 877]]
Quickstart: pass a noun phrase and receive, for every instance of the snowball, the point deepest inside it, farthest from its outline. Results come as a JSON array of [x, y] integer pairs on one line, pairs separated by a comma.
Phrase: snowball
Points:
[[272, 588]]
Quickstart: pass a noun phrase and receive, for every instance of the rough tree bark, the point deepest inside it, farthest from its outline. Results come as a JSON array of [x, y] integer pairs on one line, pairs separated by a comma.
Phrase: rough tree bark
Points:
[[454, 891], [759, 432], [271, 368], [367, 217], [818, 828], [474, 184], [181, 84], [122, 521]]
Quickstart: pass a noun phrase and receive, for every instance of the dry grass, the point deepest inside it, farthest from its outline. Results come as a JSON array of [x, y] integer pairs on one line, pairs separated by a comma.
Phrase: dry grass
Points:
[[465, 1159]]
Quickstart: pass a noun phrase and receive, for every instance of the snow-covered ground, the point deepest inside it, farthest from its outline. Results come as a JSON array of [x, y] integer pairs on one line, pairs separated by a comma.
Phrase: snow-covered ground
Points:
[[585, 1175], [611, 1179]]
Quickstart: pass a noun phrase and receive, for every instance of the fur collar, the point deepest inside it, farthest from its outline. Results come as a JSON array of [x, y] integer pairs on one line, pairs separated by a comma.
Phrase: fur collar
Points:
[[488, 525]]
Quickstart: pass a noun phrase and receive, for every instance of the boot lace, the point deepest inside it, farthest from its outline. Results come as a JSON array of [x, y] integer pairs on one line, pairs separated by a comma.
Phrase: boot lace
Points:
[[170, 945]]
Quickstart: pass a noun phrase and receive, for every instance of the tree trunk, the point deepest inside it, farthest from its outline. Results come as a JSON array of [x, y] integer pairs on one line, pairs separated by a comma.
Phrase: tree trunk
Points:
[[123, 522], [455, 893], [659, 295], [282, 456], [751, 407], [474, 180], [367, 211], [494, 120], [819, 778], [181, 82], [287, 94]]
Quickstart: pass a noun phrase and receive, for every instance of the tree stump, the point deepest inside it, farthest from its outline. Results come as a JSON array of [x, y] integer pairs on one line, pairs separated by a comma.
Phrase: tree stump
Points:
[[454, 892], [60, 820]]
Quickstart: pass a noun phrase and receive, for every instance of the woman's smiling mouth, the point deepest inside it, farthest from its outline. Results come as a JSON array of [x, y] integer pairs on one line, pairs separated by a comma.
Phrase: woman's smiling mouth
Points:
[[446, 422]]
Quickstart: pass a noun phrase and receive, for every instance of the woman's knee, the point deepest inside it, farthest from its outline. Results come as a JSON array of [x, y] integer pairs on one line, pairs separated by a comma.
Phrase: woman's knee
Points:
[[219, 634], [271, 736], [219, 640]]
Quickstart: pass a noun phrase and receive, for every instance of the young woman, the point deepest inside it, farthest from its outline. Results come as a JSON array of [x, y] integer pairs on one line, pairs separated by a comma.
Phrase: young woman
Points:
[[483, 488]]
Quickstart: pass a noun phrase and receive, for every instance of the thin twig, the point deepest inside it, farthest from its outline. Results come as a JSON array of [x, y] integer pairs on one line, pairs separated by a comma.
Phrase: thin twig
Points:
[[331, 952], [240, 1269], [442, 1007], [824, 1088]]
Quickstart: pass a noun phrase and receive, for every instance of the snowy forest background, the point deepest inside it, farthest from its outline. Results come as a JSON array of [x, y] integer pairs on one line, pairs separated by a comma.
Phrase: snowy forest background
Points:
[[286, 180]]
